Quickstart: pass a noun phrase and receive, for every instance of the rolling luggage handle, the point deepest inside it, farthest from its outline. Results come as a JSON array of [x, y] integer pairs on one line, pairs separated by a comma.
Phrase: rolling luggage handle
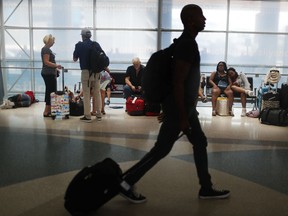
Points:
[[63, 71]]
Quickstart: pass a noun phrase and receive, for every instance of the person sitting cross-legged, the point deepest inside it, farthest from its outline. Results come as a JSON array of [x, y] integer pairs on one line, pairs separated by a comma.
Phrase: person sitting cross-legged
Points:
[[241, 85]]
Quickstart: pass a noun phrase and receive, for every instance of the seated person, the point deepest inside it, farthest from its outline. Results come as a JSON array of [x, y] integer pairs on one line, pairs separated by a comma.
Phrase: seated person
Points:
[[201, 89], [105, 80], [241, 85], [133, 78], [221, 84]]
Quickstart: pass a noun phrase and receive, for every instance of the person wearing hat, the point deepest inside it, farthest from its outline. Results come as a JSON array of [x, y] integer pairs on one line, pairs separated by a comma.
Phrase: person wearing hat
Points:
[[49, 71], [81, 52]]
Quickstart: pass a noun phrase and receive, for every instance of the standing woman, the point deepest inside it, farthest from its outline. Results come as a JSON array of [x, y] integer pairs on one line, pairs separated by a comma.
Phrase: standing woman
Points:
[[49, 71]]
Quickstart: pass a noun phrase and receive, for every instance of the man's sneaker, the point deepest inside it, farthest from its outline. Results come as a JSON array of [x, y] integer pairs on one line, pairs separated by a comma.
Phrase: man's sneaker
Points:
[[84, 119], [212, 193], [132, 196]]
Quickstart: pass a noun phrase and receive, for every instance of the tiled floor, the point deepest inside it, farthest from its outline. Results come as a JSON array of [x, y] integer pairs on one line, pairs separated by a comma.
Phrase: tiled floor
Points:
[[39, 156]]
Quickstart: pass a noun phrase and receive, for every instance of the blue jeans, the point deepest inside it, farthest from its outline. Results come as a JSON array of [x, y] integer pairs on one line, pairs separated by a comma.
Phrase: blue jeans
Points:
[[127, 91], [167, 136]]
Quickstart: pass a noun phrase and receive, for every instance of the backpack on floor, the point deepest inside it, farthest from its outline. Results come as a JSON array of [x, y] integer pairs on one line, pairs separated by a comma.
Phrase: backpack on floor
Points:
[[156, 79], [76, 108], [92, 187]]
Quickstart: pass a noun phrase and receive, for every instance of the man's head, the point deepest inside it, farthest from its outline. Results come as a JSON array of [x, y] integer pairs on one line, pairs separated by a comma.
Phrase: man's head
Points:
[[192, 18], [136, 63], [86, 33]]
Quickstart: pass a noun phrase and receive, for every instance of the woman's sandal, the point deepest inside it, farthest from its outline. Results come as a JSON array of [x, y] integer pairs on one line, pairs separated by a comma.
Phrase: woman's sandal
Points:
[[103, 112]]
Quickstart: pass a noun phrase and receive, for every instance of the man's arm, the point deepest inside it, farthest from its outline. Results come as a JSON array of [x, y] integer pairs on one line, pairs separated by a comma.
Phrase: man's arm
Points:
[[75, 54], [179, 76]]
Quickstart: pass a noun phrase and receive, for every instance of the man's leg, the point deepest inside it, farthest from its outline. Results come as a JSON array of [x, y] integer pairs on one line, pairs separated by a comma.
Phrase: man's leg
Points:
[[168, 134], [127, 91], [86, 95], [199, 142], [97, 96]]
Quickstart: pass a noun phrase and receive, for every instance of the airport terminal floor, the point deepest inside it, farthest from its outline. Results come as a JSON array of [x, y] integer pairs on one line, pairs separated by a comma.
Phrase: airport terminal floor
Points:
[[39, 157]]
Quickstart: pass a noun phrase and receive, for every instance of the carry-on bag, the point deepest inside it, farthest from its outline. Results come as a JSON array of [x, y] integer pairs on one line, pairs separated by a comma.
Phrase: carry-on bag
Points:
[[135, 106], [274, 116], [92, 187], [284, 96], [76, 108], [60, 101]]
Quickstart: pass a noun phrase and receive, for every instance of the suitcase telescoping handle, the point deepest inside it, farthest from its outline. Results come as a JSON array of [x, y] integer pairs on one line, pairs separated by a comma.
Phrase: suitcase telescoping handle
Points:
[[63, 71]]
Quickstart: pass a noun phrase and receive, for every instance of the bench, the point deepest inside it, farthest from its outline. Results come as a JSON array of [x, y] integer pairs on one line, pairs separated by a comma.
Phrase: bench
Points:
[[119, 78], [237, 97]]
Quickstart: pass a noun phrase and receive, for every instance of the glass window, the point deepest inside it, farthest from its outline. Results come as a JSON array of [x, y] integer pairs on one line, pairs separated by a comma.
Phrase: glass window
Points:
[[123, 46], [126, 14], [211, 47], [215, 12], [16, 14], [257, 49], [259, 16], [17, 44], [64, 13], [18, 79]]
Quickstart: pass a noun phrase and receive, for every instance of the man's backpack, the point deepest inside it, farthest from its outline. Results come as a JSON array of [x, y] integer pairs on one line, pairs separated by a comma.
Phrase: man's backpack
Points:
[[98, 60], [157, 76]]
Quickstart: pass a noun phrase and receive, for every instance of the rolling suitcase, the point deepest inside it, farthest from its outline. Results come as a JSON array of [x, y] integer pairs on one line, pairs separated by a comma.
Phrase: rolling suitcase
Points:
[[92, 187], [60, 102], [135, 106]]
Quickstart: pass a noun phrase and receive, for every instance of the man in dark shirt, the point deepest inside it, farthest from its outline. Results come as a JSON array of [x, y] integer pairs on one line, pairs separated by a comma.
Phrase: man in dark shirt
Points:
[[81, 52], [133, 78], [180, 113]]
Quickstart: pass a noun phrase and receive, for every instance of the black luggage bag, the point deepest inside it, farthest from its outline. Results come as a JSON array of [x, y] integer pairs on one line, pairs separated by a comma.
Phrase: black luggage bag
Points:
[[274, 116], [92, 187], [76, 108], [284, 96]]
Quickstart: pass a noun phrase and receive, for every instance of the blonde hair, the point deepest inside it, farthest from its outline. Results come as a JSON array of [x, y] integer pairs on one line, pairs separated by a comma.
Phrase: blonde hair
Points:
[[47, 38], [136, 61]]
